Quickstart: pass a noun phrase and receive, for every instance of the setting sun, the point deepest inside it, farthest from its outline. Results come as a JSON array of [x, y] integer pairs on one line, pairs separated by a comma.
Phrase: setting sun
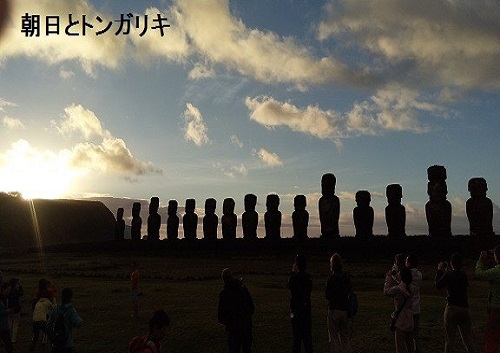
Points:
[[35, 174]]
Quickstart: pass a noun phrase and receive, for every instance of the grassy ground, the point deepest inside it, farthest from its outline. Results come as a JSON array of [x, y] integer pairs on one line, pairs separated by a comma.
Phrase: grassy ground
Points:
[[187, 286]]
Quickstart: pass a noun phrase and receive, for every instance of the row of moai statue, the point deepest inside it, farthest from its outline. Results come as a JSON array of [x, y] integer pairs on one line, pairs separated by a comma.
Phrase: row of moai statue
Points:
[[479, 209]]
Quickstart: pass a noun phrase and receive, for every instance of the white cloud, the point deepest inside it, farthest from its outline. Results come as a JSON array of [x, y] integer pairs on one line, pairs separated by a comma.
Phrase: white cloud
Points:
[[200, 71], [232, 171], [439, 42], [65, 74], [271, 159], [194, 128], [236, 141], [12, 123], [4, 103], [81, 120]]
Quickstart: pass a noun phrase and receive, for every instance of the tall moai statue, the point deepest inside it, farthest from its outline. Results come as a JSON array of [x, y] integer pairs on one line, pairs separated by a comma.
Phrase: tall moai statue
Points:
[[120, 225], [479, 209], [272, 217], [363, 215], [300, 217], [136, 226], [172, 220], [250, 218], [438, 208], [229, 219], [329, 207], [154, 219], [211, 220], [190, 220], [395, 212]]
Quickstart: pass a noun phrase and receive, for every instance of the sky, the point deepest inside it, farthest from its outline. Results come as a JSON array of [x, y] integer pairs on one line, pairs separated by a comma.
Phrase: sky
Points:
[[256, 97]]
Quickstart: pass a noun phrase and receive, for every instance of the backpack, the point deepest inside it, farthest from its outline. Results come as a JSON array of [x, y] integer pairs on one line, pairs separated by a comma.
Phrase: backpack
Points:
[[56, 329], [352, 308]]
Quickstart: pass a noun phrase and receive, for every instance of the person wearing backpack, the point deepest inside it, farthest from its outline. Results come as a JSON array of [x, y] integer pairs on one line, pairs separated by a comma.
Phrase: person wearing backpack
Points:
[[40, 313], [62, 320], [151, 341]]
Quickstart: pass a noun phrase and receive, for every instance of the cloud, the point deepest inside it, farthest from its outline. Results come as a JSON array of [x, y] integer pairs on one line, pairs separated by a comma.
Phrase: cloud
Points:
[[200, 71], [82, 120], [4, 103], [392, 108], [269, 158], [12, 123], [439, 42], [232, 171], [90, 51], [236, 141], [65, 74], [194, 128]]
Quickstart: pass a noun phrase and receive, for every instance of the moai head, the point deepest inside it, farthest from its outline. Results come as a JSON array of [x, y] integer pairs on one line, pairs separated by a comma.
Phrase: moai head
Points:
[[172, 207], [228, 206], [250, 202], [272, 202], [328, 182], [436, 173], [210, 205], [394, 193], [299, 202], [363, 198], [136, 209], [119, 214], [190, 205], [154, 204], [477, 187], [437, 191]]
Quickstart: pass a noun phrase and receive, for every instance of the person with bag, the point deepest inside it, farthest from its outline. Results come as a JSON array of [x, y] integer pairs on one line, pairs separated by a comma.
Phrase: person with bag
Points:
[[40, 313], [151, 341], [337, 290], [62, 319], [402, 318], [300, 286]]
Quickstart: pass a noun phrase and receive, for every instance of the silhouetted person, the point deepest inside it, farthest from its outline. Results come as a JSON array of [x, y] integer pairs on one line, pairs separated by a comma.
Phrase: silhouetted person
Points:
[[329, 207], [300, 286], [229, 219], [300, 217], [272, 218], [119, 225], [235, 312], [395, 212], [154, 219], [438, 208], [363, 215], [250, 218], [151, 342], [479, 209], [190, 220], [135, 231], [172, 220], [4, 313], [211, 220]]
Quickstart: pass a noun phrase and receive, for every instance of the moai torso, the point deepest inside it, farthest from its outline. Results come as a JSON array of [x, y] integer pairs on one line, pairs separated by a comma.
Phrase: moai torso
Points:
[[272, 217], [363, 215], [211, 220], [172, 220], [190, 220], [135, 231], [250, 218], [119, 225], [154, 219], [329, 208], [438, 209], [229, 219], [300, 217], [395, 212], [479, 209]]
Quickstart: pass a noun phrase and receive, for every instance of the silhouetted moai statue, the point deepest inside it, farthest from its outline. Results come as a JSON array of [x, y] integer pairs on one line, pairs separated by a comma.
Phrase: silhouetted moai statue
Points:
[[363, 215], [154, 219], [479, 209], [229, 219], [119, 225], [211, 220], [395, 212], [172, 220], [329, 207], [272, 218], [438, 208], [190, 220], [250, 218], [300, 217], [136, 226]]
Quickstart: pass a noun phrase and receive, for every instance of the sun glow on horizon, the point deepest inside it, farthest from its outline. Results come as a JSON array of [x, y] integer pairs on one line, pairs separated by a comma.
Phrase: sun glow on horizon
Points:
[[36, 174]]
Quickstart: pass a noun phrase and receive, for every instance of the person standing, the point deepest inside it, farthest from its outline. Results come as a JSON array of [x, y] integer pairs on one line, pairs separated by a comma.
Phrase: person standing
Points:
[[40, 313], [151, 342], [235, 310], [4, 317], [416, 283], [492, 275], [403, 315], [337, 290], [16, 292], [456, 314], [300, 286], [134, 289], [71, 320]]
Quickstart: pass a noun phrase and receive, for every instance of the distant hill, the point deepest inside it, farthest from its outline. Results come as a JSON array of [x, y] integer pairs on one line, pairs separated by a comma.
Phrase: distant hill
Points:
[[59, 222]]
